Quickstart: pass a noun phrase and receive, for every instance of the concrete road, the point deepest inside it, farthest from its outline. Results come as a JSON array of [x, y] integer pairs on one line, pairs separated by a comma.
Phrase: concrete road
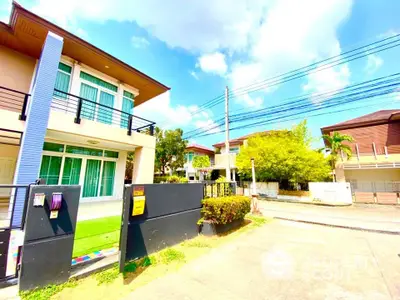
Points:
[[289, 260], [384, 218]]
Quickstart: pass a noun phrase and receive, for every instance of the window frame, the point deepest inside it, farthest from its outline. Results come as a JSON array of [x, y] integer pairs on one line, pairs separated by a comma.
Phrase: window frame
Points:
[[84, 158], [99, 90]]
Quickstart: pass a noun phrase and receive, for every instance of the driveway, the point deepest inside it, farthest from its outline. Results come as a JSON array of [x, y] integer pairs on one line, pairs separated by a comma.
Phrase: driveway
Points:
[[289, 260], [384, 218]]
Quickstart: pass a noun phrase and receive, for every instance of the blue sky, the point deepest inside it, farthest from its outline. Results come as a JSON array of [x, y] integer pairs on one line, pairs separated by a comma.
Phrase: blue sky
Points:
[[199, 47]]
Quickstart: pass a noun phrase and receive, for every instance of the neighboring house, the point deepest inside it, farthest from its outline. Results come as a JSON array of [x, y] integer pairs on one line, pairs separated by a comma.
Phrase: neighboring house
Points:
[[193, 150], [375, 163], [234, 148], [67, 111]]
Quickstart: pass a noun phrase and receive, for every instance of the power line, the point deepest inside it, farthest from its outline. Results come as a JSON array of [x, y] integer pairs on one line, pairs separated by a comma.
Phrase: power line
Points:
[[366, 50], [364, 90], [302, 101], [288, 118]]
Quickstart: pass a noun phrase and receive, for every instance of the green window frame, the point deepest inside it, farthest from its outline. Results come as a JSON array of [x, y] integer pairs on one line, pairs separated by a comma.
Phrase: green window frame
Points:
[[54, 147], [71, 171], [190, 156], [63, 80], [104, 114], [112, 154], [98, 81], [83, 150], [50, 169], [128, 103], [92, 176], [88, 107], [107, 178], [234, 150]]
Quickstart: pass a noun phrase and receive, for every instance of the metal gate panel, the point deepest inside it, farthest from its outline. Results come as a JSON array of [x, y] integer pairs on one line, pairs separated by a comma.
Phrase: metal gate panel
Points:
[[386, 198], [4, 243], [364, 197]]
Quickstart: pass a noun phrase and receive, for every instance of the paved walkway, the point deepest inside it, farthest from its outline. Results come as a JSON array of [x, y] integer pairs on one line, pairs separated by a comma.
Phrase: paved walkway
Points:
[[289, 260], [369, 217]]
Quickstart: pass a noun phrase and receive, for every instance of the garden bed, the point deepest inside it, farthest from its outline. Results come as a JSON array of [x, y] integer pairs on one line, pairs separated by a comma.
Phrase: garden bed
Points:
[[209, 229]]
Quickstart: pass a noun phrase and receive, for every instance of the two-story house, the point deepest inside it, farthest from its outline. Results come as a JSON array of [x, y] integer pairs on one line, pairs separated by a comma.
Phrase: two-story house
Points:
[[191, 151], [67, 111], [374, 168]]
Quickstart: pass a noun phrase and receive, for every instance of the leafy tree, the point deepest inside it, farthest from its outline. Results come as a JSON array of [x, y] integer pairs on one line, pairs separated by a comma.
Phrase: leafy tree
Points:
[[201, 161], [336, 143], [170, 149], [283, 156]]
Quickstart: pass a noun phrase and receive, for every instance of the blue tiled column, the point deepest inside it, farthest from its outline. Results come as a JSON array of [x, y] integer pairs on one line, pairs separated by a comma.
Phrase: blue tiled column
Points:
[[27, 170]]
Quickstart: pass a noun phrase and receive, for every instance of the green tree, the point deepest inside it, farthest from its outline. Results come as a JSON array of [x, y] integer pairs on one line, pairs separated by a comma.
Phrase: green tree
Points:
[[337, 143], [283, 156], [170, 149], [201, 161]]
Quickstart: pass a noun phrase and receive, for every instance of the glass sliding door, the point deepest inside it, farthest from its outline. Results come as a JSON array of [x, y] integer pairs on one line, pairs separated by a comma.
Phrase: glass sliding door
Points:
[[72, 171], [107, 178], [88, 108], [127, 107], [104, 114], [92, 176], [50, 169]]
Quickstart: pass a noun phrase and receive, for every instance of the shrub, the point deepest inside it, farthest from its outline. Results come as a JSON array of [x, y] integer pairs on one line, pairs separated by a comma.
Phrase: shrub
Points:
[[224, 210], [294, 193], [160, 179], [173, 179], [183, 180]]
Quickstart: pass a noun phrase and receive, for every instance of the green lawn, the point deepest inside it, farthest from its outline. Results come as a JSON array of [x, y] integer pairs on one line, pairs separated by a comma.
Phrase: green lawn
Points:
[[96, 234]]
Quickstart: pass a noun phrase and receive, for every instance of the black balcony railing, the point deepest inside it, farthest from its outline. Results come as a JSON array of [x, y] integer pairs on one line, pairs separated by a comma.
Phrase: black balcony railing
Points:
[[14, 101], [86, 109]]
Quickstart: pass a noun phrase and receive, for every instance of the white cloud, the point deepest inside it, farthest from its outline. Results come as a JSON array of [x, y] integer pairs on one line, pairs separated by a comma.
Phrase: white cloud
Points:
[[374, 62], [262, 38], [5, 8], [213, 63], [200, 26], [82, 33], [160, 110], [194, 75], [139, 42], [293, 34], [330, 80]]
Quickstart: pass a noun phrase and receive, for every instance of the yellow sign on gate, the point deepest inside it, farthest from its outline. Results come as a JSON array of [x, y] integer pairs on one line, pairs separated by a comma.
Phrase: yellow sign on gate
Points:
[[139, 203]]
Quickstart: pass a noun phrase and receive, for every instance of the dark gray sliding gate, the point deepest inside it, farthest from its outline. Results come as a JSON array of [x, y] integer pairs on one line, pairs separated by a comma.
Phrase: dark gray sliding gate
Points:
[[170, 216], [7, 225]]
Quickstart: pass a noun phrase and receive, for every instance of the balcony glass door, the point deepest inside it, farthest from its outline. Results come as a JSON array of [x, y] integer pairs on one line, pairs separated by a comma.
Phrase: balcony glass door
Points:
[[92, 176], [88, 108], [105, 115], [72, 170]]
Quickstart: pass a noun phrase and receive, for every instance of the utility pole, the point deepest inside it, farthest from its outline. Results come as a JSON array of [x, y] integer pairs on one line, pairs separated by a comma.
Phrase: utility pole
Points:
[[228, 167]]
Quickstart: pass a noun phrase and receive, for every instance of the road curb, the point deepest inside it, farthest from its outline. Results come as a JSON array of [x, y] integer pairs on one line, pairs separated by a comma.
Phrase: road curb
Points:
[[340, 226]]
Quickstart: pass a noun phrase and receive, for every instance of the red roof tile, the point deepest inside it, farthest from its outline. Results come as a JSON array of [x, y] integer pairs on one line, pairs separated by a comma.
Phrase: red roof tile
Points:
[[378, 116]]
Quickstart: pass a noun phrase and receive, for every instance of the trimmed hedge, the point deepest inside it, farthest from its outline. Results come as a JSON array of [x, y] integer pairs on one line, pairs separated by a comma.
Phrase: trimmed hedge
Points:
[[225, 210], [170, 179], [294, 193]]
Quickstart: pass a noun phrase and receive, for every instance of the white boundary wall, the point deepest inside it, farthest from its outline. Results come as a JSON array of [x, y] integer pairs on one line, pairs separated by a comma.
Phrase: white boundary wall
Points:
[[332, 192]]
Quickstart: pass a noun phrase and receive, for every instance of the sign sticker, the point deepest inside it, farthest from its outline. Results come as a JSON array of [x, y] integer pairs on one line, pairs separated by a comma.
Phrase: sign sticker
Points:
[[139, 203], [138, 190]]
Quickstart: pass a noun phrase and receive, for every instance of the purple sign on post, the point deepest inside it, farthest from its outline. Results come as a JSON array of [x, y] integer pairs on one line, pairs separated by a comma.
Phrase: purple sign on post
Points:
[[56, 201]]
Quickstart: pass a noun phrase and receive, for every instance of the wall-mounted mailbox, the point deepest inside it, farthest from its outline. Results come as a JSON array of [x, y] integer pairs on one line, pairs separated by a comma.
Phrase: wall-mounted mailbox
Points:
[[56, 201], [38, 200]]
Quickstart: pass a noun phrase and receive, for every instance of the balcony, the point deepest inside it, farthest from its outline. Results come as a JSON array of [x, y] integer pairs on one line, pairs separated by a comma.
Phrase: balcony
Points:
[[83, 108], [221, 160], [14, 101]]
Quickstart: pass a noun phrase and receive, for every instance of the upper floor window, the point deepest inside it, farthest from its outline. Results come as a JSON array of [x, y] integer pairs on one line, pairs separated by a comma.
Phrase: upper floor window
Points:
[[127, 106], [234, 150], [99, 91], [189, 156], [63, 80]]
